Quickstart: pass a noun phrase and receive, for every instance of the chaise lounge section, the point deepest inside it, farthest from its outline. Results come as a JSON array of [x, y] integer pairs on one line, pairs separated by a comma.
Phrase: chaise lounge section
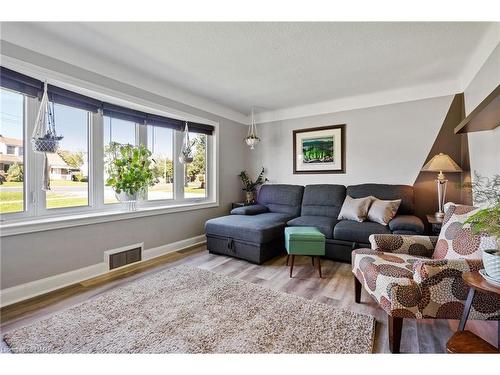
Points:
[[256, 233]]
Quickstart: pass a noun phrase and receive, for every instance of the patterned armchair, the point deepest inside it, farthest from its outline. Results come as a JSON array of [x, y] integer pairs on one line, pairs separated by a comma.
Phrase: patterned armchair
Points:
[[420, 277]]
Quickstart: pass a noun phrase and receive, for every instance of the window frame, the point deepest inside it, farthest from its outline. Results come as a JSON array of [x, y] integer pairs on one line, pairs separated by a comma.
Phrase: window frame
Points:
[[36, 214], [41, 202]]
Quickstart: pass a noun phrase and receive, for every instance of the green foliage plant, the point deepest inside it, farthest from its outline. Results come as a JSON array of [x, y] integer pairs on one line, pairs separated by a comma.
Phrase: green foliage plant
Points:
[[487, 220], [130, 169], [248, 184]]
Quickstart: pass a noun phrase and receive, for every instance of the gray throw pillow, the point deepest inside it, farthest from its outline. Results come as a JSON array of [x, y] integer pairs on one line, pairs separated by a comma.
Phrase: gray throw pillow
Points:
[[355, 209], [383, 211]]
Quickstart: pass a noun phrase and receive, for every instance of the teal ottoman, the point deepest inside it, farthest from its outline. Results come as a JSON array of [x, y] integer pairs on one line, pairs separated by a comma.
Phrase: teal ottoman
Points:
[[307, 241]]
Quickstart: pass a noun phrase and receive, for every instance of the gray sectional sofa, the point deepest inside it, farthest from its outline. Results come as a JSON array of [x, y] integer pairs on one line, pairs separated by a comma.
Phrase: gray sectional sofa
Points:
[[256, 233]]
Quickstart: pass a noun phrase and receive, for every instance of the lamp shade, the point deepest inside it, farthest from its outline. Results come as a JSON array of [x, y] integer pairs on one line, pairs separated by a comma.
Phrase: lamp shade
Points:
[[441, 163]]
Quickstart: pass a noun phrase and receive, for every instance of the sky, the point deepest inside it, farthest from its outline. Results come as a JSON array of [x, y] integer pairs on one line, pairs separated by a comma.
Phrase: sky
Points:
[[11, 114]]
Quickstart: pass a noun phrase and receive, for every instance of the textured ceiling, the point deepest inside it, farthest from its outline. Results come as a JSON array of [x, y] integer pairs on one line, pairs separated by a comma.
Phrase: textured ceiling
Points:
[[278, 65]]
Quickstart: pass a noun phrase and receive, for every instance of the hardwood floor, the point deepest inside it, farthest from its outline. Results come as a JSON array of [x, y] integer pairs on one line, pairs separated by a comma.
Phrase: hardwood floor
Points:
[[336, 288]]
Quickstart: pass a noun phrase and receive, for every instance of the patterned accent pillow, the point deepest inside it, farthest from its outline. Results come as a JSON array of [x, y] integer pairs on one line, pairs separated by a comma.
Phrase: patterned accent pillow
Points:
[[456, 240]]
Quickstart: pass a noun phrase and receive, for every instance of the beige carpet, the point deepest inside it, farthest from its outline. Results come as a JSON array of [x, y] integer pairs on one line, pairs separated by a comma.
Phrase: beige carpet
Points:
[[189, 310]]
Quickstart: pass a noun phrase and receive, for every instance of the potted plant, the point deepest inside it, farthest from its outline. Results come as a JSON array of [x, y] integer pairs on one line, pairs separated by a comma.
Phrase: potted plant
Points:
[[130, 171], [487, 220], [250, 187]]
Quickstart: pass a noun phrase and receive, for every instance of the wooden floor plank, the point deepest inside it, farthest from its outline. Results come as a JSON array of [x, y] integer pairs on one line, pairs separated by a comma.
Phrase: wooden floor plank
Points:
[[335, 288]]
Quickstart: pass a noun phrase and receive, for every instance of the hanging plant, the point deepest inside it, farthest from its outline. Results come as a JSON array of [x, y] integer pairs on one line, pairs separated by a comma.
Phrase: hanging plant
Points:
[[44, 138], [186, 154]]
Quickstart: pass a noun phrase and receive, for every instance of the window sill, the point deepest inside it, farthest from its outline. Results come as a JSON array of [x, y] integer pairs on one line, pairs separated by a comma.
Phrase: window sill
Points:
[[31, 225]]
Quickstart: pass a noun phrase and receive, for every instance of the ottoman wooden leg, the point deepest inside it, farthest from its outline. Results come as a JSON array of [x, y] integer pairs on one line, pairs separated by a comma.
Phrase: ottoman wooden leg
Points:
[[291, 266], [287, 258], [319, 266], [312, 260]]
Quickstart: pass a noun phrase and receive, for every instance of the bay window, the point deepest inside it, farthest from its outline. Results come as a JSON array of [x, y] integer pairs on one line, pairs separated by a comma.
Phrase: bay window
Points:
[[78, 168]]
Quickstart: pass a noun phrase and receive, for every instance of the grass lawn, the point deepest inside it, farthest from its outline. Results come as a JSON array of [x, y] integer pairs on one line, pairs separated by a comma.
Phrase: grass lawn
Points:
[[52, 183]]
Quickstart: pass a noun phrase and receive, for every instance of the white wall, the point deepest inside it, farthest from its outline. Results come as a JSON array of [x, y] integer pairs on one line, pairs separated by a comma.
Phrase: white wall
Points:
[[385, 144], [484, 147]]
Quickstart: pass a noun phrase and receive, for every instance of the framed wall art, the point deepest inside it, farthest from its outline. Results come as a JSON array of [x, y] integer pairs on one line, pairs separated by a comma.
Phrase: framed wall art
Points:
[[319, 150]]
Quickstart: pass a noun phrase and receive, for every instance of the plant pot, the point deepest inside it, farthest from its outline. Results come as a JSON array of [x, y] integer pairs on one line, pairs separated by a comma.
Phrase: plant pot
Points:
[[47, 144], [129, 200], [491, 261], [249, 197]]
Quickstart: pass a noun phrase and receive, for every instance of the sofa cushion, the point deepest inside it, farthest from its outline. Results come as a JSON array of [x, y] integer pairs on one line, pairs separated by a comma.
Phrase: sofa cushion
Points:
[[256, 229], [355, 209], [254, 209], [322, 223], [386, 192], [349, 230], [383, 211], [406, 224], [456, 240], [285, 199], [323, 200]]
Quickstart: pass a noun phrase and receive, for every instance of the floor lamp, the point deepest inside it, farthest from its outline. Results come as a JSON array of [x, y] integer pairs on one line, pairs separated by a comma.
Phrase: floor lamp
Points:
[[441, 163]]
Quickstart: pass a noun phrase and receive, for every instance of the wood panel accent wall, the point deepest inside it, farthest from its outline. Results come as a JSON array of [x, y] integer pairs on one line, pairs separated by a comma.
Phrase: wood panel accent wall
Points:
[[456, 146]]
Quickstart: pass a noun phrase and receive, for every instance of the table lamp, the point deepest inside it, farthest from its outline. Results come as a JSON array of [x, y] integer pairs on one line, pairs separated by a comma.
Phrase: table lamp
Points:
[[441, 163]]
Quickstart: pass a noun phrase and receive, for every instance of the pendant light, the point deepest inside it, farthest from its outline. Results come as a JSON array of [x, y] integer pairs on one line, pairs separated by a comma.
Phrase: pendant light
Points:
[[252, 139]]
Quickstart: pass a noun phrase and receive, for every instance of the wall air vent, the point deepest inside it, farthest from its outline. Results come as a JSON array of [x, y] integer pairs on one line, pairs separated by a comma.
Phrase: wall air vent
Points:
[[122, 256]]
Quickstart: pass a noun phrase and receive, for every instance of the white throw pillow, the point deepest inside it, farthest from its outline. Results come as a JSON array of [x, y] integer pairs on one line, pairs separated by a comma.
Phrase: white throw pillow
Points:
[[355, 208], [383, 211]]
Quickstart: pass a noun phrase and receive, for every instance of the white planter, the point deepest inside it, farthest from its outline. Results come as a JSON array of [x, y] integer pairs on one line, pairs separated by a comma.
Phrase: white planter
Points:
[[129, 200], [491, 261]]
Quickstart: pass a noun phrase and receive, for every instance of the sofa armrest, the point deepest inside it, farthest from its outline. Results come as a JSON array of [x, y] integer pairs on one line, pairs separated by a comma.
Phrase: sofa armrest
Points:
[[409, 223], [404, 244], [430, 270], [254, 209]]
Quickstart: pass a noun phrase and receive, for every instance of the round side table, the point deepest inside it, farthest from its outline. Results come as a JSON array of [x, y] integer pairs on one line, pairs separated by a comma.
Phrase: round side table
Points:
[[465, 341]]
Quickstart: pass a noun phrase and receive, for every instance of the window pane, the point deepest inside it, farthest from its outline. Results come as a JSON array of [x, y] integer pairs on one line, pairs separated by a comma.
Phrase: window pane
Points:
[[160, 143], [195, 172], [69, 167], [118, 131], [11, 152]]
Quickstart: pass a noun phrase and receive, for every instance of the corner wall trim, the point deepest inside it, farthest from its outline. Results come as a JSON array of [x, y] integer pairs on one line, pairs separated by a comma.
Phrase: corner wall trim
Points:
[[35, 288]]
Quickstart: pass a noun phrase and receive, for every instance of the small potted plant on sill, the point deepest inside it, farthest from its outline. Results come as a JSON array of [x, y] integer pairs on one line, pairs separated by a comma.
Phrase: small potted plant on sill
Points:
[[250, 187], [130, 171], [487, 220]]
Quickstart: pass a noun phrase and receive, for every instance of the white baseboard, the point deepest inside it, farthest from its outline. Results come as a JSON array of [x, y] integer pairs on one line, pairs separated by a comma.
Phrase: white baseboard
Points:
[[21, 292]]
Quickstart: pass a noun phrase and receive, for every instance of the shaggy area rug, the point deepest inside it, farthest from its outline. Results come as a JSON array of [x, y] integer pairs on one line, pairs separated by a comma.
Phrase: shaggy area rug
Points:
[[189, 310]]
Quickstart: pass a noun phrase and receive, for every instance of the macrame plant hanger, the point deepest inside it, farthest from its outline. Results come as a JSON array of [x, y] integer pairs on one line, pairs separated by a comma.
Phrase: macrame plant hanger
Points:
[[44, 138], [185, 156]]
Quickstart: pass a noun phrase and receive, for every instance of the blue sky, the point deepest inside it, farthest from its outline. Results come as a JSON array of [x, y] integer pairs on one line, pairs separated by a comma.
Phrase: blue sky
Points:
[[11, 114]]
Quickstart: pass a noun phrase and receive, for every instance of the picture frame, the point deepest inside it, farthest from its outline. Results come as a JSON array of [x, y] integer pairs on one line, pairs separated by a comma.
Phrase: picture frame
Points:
[[319, 150]]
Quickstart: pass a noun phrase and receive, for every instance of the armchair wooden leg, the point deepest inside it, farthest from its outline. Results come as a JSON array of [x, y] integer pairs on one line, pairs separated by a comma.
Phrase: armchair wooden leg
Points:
[[395, 326], [287, 259], [357, 290]]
